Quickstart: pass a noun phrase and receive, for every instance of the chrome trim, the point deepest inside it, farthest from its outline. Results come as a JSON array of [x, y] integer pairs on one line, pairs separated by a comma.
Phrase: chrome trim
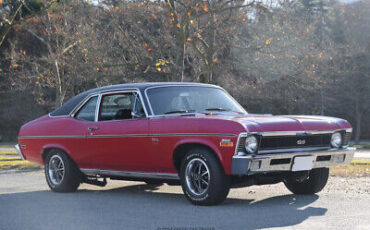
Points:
[[49, 114], [282, 133], [265, 160], [195, 178], [19, 151], [308, 132], [101, 94], [242, 157], [295, 133], [131, 135], [289, 133], [56, 171], [165, 135], [97, 108], [238, 142], [303, 149], [180, 85], [82, 103], [348, 130], [49, 137], [99, 172], [130, 91], [79, 105]]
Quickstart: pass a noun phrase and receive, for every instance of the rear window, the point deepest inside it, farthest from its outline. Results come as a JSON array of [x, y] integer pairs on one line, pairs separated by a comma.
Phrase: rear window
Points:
[[67, 107]]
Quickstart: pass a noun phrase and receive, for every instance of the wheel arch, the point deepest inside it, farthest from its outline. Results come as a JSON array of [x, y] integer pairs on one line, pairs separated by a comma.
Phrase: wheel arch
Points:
[[47, 148], [184, 146]]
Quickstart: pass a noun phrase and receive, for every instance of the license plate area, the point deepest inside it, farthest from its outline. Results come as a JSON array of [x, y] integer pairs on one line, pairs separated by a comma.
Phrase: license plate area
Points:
[[303, 163]]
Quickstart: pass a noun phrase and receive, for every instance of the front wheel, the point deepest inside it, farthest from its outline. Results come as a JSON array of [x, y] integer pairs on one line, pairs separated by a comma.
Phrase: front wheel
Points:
[[203, 179], [314, 183], [62, 174]]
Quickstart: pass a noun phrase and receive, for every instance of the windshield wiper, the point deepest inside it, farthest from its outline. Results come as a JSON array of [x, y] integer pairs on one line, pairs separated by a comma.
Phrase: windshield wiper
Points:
[[180, 111], [218, 109]]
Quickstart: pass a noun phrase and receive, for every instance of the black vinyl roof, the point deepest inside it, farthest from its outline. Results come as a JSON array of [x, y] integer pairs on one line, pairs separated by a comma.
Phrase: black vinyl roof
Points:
[[67, 108]]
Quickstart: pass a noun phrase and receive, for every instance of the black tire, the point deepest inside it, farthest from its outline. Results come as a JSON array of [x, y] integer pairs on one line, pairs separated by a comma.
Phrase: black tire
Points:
[[218, 183], [71, 178], [315, 182]]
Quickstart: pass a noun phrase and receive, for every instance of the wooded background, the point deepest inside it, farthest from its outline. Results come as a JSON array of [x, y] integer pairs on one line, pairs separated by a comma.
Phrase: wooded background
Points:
[[273, 56]]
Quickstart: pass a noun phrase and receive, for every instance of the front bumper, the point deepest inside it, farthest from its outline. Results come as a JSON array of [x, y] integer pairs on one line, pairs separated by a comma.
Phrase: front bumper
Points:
[[253, 164], [19, 151]]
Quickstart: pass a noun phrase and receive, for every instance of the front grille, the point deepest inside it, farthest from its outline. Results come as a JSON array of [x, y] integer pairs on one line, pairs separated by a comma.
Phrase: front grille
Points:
[[280, 161], [286, 142], [323, 158], [282, 143]]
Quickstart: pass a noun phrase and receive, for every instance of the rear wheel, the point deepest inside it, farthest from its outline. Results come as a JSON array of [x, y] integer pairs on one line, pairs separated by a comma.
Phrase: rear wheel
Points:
[[315, 182], [202, 178], [62, 174]]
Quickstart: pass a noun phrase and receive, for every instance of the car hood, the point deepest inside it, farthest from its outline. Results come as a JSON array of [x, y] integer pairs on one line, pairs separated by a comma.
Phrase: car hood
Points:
[[270, 123]]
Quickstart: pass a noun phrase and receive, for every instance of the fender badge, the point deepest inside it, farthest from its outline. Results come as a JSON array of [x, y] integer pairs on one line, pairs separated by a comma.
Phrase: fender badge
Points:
[[226, 143]]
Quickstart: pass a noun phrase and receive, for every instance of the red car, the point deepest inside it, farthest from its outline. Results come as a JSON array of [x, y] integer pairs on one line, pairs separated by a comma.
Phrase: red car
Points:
[[191, 134]]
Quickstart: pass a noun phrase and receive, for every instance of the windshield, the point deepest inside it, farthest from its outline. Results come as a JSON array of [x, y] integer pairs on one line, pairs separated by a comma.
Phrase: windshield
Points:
[[186, 99]]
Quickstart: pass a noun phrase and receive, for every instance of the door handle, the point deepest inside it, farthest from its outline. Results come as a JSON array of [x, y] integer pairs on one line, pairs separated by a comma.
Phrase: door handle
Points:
[[93, 128]]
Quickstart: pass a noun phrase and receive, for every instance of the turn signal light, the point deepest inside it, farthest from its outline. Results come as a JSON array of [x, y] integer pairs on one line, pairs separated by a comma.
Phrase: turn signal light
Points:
[[226, 143]]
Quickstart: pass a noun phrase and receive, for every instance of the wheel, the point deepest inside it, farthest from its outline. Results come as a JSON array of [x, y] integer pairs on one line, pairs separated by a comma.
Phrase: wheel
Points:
[[62, 174], [202, 178], [315, 182]]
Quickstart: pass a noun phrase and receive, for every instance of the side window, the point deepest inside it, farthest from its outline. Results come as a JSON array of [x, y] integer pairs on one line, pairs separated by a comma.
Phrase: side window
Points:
[[87, 112], [120, 107]]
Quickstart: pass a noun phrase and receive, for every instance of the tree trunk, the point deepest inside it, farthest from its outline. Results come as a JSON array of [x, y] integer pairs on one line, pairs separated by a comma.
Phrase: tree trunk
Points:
[[59, 95], [322, 102], [180, 36], [358, 122]]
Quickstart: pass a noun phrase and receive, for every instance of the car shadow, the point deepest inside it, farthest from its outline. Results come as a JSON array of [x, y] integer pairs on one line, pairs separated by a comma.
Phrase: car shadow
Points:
[[144, 206]]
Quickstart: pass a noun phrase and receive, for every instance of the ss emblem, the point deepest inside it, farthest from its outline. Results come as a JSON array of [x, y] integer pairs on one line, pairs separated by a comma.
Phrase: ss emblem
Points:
[[301, 142]]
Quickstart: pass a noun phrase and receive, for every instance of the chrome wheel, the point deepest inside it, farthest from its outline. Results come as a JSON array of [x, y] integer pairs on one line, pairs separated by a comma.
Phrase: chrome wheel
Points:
[[197, 176], [56, 169]]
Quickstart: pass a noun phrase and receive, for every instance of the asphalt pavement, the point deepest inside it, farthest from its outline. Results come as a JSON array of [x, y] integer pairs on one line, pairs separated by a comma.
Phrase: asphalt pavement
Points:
[[27, 203]]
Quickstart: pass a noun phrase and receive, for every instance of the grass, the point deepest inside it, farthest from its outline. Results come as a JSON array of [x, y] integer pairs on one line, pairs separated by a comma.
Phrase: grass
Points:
[[8, 153], [9, 157], [18, 164], [360, 162], [11, 160], [352, 170], [363, 146]]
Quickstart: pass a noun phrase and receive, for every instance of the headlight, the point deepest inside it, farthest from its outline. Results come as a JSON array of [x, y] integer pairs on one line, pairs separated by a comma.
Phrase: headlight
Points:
[[251, 144], [336, 140]]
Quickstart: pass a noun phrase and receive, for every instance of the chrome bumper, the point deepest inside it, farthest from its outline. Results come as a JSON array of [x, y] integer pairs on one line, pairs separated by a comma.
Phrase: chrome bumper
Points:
[[252, 164], [19, 151]]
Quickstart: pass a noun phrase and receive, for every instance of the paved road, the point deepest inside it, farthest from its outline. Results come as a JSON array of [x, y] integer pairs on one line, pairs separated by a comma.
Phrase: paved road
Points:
[[27, 203]]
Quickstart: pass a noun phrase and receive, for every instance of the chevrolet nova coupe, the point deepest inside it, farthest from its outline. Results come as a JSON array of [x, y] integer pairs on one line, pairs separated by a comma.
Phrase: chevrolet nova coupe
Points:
[[191, 134]]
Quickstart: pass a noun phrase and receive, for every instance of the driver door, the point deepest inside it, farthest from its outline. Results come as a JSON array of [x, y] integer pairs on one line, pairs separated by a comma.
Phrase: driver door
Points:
[[120, 139]]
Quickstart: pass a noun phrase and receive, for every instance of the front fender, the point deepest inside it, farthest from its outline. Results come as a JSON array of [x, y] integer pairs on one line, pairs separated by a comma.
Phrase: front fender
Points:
[[224, 154]]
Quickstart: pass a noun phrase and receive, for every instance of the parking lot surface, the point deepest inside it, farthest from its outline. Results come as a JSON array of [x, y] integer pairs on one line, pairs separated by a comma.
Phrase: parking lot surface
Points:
[[27, 203]]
